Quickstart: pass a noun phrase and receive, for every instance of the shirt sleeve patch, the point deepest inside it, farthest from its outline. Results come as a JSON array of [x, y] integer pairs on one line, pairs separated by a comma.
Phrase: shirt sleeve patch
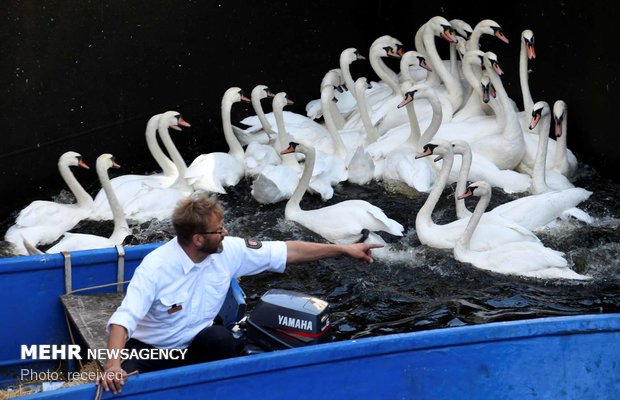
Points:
[[253, 243]]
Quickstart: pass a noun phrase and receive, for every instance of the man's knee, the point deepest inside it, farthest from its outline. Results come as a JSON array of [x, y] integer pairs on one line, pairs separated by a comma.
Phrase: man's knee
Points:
[[212, 343]]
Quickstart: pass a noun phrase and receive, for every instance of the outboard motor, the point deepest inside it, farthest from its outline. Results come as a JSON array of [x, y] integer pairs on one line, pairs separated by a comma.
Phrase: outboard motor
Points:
[[284, 319]]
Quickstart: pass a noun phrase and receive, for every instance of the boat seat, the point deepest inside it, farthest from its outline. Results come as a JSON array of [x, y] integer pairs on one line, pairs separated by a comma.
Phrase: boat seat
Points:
[[90, 313]]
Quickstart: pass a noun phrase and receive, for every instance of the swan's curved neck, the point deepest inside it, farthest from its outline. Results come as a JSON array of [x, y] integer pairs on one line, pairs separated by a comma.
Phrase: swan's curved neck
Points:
[[82, 198], [327, 95], [424, 214], [436, 119], [454, 69], [381, 70], [472, 77], [371, 132], [121, 228], [560, 159], [528, 102], [235, 148], [414, 126], [167, 166], [302, 185], [461, 185], [506, 115], [175, 155], [473, 43], [419, 40], [454, 88], [258, 109], [465, 238], [345, 70], [539, 184], [282, 139]]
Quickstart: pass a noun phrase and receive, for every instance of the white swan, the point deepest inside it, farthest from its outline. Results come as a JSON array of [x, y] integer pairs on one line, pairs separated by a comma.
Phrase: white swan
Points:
[[565, 161], [532, 212], [518, 258], [275, 183], [410, 133], [476, 167], [333, 77], [395, 156], [342, 222], [488, 27], [452, 88], [474, 106], [465, 31], [388, 116], [146, 199], [347, 100], [348, 146], [526, 53], [213, 172], [544, 179], [384, 90], [169, 170], [492, 232], [361, 84], [505, 148], [43, 221], [412, 60], [81, 241], [262, 132]]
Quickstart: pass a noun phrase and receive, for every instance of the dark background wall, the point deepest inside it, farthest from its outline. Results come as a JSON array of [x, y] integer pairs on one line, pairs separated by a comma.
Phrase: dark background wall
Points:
[[86, 76]]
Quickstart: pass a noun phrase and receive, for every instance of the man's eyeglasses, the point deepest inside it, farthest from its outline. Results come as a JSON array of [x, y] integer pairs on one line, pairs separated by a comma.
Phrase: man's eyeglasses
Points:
[[218, 232]]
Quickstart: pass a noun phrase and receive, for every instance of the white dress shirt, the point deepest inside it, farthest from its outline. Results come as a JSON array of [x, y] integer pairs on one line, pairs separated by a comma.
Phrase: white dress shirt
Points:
[[170, 298]]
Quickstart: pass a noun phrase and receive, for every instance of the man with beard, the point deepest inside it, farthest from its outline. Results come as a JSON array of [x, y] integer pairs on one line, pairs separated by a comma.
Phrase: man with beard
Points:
[[178, 289]]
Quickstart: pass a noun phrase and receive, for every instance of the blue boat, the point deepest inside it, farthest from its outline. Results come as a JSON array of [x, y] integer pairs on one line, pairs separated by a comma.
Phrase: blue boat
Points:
[[573, 357]]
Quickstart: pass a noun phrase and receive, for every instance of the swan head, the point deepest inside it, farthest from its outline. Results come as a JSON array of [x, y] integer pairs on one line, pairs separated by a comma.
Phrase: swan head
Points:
[[462, 28], [361, 84], [413, 58], [72, 159], [474, 57], [527, 36], [261, 92], [488, 90], [349, 55], [460, 146], [409, 93], [461, 46], [298, 147], [490, 62], [491, 27], [438, 147], [387, 46], [280, 100], [172, 119], [478, 189], [233, 95], [537, 112], [440, 27], [105, 162], [333, 77], [421, 90], [559, 113]]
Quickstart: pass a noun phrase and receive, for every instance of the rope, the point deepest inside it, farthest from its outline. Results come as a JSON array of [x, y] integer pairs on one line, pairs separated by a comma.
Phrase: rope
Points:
[[71, 334], [97, 287]]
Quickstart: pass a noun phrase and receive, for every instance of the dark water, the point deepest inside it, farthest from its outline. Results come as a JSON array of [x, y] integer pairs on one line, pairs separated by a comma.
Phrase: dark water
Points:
[[414, 287]]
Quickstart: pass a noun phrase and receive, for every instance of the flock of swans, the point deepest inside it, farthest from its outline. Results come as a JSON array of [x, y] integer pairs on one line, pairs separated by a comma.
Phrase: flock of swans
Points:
[[431, 124]]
